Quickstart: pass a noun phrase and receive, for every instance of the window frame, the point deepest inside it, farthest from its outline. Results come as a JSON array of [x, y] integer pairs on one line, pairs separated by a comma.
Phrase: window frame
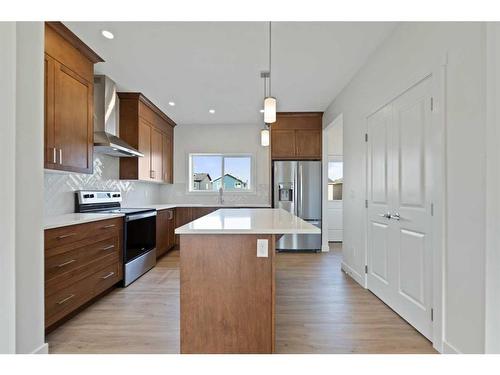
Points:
[[223, 155]]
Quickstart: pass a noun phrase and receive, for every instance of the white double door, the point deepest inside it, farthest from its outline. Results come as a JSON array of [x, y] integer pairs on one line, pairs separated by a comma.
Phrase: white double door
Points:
[[399, 207]]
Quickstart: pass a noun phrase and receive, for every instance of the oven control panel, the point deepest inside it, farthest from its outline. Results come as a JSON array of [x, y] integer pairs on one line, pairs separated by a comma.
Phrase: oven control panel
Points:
[[98, 196]]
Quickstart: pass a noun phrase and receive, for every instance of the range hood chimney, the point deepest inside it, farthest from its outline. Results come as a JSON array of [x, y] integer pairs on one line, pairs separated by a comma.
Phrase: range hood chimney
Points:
[[106, 120]]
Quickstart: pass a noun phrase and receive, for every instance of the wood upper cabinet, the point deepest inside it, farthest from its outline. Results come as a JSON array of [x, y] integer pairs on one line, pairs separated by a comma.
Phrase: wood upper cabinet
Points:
[[69, 72], [297, 136], [144, 126]]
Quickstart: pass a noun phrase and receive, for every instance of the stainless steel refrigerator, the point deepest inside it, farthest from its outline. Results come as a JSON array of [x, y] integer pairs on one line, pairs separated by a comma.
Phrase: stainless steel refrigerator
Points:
[[297, 189]]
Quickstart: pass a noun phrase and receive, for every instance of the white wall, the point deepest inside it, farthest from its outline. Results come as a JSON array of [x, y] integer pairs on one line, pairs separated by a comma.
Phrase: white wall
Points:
[[492, 323], [7, 187], [29, 188], [411, 51], [217, 139], [334, 139]]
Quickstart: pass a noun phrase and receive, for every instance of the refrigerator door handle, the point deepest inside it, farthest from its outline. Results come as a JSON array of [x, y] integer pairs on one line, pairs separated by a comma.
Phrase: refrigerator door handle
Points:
[[295, 192], [299, 184]]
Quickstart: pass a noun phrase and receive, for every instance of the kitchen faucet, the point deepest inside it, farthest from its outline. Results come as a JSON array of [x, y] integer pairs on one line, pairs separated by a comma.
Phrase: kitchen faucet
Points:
[[221, 198]]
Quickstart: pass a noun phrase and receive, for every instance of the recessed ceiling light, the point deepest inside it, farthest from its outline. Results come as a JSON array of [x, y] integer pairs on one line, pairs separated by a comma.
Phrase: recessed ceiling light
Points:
[[171, 104], [107, 34], [261, 111], [212, 111]]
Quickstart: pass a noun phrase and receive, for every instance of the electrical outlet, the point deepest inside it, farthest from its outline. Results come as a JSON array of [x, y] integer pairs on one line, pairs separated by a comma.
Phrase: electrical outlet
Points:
[[262, 249]]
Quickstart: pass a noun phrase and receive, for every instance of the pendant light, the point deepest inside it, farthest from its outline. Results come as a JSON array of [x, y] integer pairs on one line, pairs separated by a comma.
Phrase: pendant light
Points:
[[264, 133], [269, 100]]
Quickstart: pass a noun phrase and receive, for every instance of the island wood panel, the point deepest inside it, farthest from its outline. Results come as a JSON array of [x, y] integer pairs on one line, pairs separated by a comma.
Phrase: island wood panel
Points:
[[226, 294]]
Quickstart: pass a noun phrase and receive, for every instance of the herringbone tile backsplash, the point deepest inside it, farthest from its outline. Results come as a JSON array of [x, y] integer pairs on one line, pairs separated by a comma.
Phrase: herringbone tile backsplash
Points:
[[60, 187]]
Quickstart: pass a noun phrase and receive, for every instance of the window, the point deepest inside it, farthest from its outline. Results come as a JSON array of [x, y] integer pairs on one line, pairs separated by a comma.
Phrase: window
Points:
[[210, 172], [335, 179]]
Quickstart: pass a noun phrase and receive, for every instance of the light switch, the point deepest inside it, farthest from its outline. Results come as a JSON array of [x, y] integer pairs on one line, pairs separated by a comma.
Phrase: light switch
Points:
[[262, 249]]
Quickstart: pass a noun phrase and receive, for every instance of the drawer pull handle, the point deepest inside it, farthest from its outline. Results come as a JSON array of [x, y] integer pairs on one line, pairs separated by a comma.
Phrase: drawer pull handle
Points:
[[108, 247], [108, 276], [108, 226], [62, 236], [64, 300], [66, 263]]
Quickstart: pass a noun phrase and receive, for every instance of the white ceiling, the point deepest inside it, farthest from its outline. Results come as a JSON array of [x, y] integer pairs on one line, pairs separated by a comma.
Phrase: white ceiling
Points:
[[204, 65]]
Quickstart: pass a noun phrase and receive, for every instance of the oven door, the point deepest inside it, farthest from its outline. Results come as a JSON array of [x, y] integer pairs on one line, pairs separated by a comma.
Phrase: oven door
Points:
[[140, 234]]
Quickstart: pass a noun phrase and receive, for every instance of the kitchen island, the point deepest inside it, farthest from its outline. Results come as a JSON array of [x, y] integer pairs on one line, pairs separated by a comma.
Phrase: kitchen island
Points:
[[227, 286]]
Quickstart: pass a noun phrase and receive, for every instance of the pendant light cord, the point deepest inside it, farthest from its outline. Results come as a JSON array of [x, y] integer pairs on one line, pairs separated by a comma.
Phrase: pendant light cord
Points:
[[269, 58]]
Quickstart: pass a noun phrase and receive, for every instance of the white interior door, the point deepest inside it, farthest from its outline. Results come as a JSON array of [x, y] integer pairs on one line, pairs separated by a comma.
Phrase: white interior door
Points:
[[399, 207]]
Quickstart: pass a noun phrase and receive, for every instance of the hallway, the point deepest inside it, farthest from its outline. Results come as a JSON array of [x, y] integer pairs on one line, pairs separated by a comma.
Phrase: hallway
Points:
[[319, 309]]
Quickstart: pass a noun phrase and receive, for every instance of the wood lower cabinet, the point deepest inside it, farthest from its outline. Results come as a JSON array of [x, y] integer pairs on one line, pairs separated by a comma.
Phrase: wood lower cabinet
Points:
[[69, 72], [81, 262], [165, 227], [145, 127], [297, 136]]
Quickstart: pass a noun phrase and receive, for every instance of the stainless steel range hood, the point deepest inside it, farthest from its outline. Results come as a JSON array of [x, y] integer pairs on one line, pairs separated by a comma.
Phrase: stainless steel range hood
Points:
[[106, 120]]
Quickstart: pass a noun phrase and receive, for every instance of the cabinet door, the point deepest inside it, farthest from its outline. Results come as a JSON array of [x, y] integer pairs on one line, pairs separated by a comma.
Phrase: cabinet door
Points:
[[50, 147], [156, 155], [145, 147], [308, 144], [162, 232], [73, 120], [171, 229], [283, 144], [167, 158]]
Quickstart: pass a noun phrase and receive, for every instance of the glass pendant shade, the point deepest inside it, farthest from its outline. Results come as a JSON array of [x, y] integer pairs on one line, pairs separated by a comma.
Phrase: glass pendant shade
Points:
[[269, 110], [264, 137]]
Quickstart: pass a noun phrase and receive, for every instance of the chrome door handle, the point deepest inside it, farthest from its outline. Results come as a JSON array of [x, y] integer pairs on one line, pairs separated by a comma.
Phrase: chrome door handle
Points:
[[54, 156], [66, 263], [108, 247], [395, 216], [108, 275], [65, 299], [60, 156], [386, 215], [63, 236]]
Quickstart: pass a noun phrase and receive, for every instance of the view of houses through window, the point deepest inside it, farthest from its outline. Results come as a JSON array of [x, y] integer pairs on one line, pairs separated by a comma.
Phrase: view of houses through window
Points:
[[335, 179], [209, 172]]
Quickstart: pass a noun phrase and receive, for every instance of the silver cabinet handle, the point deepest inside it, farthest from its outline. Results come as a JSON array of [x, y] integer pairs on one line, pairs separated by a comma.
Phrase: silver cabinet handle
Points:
[[108, 276], [60, 156], [66, 263], [387, 215], [170, 215], [151, 174], [54, 155], [108, 226], [64, 300], [63, 236], [108, 247], [395, 216]]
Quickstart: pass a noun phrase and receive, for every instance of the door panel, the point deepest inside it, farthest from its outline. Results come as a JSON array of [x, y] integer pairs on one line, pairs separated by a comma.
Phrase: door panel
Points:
[[283, 144], [398, 166], [145, 148], [308, 143], [73, 129], [156, 154], [309, 190]]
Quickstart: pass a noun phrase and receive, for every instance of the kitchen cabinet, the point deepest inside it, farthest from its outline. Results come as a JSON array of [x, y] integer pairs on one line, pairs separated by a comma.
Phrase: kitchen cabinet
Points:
[[165, 227], [81, 262], [146, 127], [297, 136], [69, 74]]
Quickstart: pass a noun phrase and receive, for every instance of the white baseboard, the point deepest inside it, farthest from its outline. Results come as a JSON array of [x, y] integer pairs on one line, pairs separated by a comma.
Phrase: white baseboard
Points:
[[43, 349], [353, 274], [450, 349], [325, 248]]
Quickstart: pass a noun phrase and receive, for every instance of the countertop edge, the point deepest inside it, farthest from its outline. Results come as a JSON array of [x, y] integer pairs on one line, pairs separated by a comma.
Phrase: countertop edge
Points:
[[66, 222]]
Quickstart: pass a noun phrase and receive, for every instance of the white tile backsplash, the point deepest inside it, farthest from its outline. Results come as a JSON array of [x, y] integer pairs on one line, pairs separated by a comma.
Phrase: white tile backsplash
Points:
[[60, 187]]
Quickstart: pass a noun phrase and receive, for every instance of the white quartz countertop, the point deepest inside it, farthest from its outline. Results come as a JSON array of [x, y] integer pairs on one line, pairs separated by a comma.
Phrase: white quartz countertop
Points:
[[76, 218], [249, 221], [166, 206]]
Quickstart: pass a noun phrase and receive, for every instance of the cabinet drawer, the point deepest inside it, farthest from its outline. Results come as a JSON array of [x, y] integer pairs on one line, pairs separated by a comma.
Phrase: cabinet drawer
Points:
[[62, 260], [105, 278], [65, 301], [65, 235]]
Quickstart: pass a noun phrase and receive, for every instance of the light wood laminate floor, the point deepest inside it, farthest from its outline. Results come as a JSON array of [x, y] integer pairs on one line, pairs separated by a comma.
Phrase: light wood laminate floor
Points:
[[319, 309]]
